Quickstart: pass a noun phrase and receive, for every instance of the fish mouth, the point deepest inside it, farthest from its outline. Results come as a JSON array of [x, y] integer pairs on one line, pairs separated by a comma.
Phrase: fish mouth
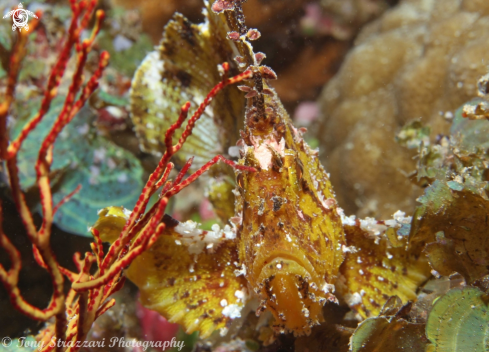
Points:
[[281, 264], [293, 263], [291, 293]]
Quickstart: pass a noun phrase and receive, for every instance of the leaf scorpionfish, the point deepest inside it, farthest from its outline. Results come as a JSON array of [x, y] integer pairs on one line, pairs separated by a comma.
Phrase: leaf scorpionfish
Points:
[[288, 247]]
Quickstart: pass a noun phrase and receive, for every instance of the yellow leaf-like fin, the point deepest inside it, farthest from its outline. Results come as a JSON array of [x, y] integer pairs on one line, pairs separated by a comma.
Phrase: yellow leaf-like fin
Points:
[[188, 283], [111, 221], [375, 269], [188, 275], [185, 68]]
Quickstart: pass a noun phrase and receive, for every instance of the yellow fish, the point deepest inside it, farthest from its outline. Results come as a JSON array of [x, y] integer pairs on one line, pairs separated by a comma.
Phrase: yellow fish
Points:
[[289, 244]]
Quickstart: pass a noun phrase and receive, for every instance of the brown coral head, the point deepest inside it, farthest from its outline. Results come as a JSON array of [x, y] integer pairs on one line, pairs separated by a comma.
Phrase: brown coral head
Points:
[[221, 5], [290, 293]]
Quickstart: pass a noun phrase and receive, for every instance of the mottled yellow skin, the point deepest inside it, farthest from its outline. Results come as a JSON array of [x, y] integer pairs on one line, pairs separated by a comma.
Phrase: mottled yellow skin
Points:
[[189, 289], [379, 269], [110, 223], [186, 288], [289, 239], [220, 194], [290, 249]]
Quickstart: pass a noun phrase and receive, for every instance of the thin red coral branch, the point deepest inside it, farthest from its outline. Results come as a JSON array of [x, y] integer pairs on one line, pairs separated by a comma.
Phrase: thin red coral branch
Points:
[[10, 279], [57, 72], [165, 176], [16, 58], [59, 305], [139, 245], [99, 249], [38, 257], [150, 228], [171, 131], [198, 113], [70, 109], [181, 174], [66, 198], [177, 188], [111, 262], [140, 206], [105, 307]]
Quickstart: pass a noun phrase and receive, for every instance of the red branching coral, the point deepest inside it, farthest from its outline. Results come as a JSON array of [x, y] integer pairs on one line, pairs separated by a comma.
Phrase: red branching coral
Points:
[[88, 297]]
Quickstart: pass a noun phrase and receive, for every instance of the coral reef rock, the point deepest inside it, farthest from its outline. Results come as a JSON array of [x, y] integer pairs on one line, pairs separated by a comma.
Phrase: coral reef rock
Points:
[[420, 61]]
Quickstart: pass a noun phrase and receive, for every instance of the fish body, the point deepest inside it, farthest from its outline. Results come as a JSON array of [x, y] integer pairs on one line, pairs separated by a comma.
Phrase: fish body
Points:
[[288, 244], [290, 235]]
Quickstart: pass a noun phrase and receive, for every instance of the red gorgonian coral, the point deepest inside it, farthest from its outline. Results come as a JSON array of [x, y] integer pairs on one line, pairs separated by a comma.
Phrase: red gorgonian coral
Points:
[[88, 298]]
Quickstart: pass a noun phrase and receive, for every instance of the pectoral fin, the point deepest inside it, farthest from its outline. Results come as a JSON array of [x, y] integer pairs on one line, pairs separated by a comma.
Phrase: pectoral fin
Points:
[[199, 291], [188, 275], [377, 267]]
